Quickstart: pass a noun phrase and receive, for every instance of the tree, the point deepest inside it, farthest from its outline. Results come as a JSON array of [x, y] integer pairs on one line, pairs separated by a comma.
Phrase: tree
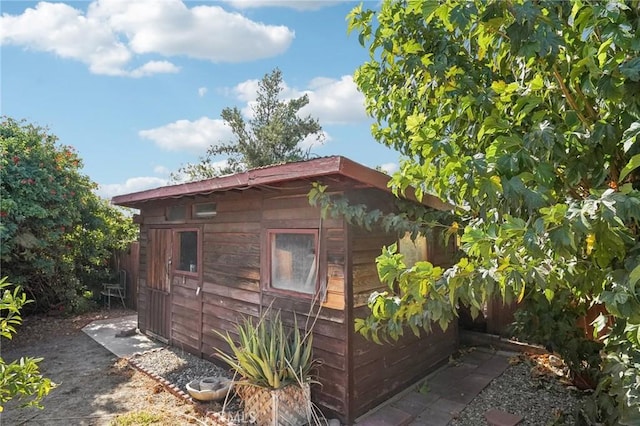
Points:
[[18, 379], [525, 116], [271, 135], [57, 234]]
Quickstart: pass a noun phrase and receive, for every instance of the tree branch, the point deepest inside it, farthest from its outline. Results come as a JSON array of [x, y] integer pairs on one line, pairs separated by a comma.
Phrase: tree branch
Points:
[[569, 96]]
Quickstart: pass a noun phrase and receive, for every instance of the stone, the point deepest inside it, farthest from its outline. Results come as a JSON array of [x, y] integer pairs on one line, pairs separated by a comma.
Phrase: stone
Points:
[[502, 418]]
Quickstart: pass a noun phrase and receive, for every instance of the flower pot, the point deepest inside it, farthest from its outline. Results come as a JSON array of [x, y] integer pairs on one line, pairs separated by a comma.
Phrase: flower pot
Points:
[[208, 392], [286, 406]]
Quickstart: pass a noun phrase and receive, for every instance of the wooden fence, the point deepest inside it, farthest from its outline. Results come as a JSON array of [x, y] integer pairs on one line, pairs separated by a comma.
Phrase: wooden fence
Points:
[[129, 260], [499, 316]]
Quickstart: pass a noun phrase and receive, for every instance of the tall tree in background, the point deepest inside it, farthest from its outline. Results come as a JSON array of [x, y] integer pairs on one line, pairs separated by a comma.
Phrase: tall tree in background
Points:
[[525, 116], [271, 135], [56, 235]]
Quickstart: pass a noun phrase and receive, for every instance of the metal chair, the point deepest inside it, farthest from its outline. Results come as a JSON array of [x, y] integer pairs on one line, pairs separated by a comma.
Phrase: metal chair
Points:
[[118, 289]]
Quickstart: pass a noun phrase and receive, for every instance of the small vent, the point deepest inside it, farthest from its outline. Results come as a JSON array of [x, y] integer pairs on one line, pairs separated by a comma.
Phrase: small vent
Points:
[[204, 210]]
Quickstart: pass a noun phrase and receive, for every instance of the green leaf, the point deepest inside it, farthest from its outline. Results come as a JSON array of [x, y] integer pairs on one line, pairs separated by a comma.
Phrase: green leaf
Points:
[[633, 164], [630, 136], [549, 294]]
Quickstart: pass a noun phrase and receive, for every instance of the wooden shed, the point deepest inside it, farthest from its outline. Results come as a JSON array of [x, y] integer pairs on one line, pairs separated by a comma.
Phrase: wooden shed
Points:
[[216, 250]]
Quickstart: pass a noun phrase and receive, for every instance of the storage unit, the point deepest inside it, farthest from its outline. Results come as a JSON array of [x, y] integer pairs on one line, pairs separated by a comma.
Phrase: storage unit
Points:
[[216, 250]]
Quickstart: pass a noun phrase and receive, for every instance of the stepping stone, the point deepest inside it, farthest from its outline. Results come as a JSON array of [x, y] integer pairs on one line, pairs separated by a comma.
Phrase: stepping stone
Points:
[[502, 418], [387, 416]]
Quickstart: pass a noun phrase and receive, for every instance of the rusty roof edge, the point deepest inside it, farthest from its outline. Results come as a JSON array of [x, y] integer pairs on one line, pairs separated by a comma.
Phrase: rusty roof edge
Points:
[[262, 175], [278, 173], [380, 180]]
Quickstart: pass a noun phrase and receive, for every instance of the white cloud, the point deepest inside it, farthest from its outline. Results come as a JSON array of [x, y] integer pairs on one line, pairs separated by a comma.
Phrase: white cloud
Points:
[[114, 33], [314, 141], [154, 67], [202, 91], [389, 168], [131, 185], [185, 135], [293, 4], [332, 101], [335, 101]]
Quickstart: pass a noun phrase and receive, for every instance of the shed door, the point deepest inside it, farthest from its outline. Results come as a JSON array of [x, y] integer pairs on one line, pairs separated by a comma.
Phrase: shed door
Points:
[[158, 282]]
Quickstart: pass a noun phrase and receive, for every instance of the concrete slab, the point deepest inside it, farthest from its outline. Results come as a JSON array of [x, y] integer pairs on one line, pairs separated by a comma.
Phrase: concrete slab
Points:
[[450, 389], [104, 332], [495, 365], [413, 403], [432, 417], [387, 416]]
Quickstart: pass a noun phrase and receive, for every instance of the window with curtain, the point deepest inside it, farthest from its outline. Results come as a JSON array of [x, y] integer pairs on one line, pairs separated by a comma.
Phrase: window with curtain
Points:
[[293, 260]]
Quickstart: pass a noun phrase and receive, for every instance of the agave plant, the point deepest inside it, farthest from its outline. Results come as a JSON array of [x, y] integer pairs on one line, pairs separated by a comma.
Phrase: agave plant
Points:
[[267, 354]]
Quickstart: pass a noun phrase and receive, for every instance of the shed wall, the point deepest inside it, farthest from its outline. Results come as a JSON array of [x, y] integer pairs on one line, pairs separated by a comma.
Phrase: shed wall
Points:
[[381, 371], [230, 280]]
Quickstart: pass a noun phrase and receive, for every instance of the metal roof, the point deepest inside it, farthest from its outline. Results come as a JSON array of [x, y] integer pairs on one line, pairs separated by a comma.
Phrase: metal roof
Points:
[[275, 174]]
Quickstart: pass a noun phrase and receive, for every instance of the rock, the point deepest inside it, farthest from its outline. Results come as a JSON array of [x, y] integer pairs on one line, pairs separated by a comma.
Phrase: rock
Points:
[[127, 333], [334, 422], [555, 361]]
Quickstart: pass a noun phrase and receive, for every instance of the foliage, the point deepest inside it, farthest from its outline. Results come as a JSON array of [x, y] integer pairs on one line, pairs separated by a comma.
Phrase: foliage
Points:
[[554, 325], [272, 134], [525, 116], [267, 355], [19, 379], [138, 418], [57, 235]]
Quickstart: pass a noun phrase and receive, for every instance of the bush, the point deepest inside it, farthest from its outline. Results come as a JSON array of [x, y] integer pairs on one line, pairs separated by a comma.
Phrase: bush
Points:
[[56, 234], [19, 379], [267, 355]]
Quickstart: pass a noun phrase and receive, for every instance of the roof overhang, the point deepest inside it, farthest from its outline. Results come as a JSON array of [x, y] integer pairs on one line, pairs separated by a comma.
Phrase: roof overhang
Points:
[[273, 175]]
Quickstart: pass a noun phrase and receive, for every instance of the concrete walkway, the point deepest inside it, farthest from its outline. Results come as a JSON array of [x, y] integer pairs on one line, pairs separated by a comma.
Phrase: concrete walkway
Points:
[[104, 332], [436, 400]]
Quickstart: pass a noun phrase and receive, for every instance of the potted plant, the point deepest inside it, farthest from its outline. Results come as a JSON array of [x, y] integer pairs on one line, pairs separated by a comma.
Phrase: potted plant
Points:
[[275, 365]]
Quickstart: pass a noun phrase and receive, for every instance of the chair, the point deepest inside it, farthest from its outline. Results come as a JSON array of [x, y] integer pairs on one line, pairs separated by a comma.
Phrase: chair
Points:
[[118, 289]]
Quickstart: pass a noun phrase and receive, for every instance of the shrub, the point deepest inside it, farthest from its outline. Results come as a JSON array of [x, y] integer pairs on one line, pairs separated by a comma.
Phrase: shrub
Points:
[[267, 355], [19, 379]]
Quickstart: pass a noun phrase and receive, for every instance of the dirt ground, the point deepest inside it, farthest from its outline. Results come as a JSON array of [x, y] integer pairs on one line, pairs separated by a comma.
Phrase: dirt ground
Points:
[[94, 387]]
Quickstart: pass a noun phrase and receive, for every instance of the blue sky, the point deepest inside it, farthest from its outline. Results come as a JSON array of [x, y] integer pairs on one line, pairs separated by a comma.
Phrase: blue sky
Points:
[[137, 86]]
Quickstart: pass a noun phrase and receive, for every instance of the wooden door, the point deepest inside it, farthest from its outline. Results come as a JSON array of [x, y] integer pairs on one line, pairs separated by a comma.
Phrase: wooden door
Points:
[[158, 288]]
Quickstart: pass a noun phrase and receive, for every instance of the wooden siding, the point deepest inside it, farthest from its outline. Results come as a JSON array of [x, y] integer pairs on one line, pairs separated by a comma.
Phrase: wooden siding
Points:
[[380, 371], [355, 374], [230, 285]]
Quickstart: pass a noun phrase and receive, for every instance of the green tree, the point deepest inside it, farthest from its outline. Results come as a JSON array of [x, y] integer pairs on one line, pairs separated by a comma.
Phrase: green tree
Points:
[[57, 236], [525, 116], [271, 135], [18, 379]]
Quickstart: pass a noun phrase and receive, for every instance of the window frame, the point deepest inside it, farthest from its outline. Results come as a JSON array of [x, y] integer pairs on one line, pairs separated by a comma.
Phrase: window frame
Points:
[[427, 246], [167, 210], [175, 255], [267, 264], [195, 215]]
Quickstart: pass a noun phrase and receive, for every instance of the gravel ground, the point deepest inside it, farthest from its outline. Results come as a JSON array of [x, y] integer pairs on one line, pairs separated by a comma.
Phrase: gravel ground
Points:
[[179, 368], [522, 390], [530, 390]]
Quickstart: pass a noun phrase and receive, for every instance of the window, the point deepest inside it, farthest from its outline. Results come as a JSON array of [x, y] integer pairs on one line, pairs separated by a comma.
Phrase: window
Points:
[[293, 260], [413, 250], [176, 213], [204, 210], [187, 251]]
